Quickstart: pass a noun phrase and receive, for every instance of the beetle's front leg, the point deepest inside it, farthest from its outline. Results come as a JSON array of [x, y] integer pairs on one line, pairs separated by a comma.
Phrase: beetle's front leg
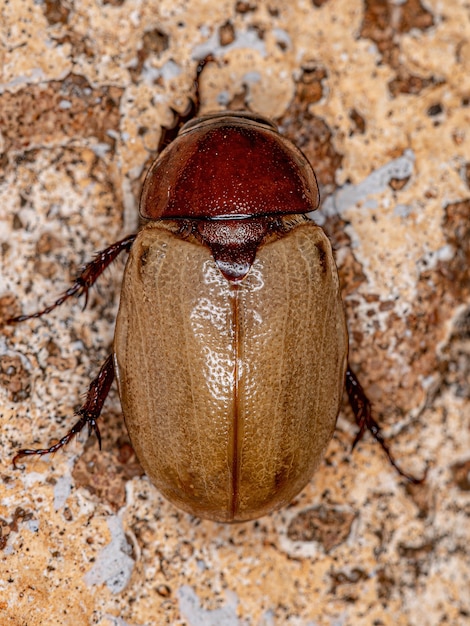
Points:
[[89, 412], [86, 279], [169, 133], [362, 410]]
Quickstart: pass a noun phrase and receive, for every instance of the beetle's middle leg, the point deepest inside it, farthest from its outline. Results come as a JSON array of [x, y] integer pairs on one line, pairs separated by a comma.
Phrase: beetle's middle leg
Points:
[[88, 413], [362, 409], [86, 279]]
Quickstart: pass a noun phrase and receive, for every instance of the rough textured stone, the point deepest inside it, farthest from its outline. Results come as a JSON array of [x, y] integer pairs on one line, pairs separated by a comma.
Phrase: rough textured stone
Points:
[[377, 93]]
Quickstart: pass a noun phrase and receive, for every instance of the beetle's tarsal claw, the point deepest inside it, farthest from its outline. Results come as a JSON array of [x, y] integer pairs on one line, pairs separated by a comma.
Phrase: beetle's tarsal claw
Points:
[[85, 302], [16, 458], [93, 427], [358, 437], [362, 410], [97, 433], [88, 413]]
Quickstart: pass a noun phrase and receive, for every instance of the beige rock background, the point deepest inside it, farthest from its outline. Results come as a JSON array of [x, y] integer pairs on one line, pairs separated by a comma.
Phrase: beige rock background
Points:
[[377, 94]]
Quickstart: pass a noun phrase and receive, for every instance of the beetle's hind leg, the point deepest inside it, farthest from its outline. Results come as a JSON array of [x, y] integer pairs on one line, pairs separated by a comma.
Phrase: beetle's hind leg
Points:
[[362, 409], [86, 279], [88, 413]]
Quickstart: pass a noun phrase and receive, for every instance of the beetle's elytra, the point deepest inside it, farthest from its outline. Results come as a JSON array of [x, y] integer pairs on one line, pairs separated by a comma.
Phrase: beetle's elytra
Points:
[[230, 348], [245, 286]]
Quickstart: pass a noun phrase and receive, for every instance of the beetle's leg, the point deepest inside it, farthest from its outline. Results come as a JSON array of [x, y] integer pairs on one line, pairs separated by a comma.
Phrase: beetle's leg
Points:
[[169, 133], [89, 412], [362, 409], [86, 279]]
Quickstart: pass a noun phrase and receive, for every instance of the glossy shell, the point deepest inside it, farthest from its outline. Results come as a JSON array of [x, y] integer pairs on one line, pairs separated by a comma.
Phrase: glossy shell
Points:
[[230, 164], [230, 390]]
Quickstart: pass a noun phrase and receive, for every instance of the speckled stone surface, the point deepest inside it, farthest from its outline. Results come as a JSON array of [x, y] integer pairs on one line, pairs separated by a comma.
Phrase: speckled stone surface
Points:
[[377, 94]]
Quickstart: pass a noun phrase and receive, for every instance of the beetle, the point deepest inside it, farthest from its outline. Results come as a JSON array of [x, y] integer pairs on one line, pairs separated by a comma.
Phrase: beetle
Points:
[[230, 347]]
